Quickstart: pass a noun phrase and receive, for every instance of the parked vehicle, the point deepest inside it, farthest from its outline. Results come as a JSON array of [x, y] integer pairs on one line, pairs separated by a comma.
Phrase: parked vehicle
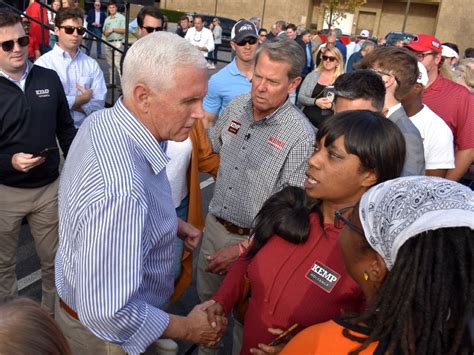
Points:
[[393, 37]]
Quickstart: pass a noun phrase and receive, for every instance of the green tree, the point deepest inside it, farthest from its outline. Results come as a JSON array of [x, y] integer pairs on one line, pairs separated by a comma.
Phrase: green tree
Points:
[[335, 10]]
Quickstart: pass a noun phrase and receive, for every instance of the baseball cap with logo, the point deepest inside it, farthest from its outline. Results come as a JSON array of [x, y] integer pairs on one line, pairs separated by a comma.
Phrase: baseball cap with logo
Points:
[[424, 43], [243, 29], [364, 33], [422, 74]]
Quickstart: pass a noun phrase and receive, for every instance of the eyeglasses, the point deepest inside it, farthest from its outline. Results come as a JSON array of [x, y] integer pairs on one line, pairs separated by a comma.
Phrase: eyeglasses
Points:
[[262, 35], [421, 55], [331, 59], [8, 46], [97, 5], [249, 40], [70, 30], [150, 29], [340, 221], [382, 73]]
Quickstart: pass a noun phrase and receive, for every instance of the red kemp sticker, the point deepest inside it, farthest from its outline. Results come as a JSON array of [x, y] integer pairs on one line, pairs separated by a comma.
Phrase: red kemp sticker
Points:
[[234, 127], [276, 142]]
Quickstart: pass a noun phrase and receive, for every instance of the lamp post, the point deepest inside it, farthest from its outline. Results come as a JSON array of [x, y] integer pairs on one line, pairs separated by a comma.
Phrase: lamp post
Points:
[[407, 9]]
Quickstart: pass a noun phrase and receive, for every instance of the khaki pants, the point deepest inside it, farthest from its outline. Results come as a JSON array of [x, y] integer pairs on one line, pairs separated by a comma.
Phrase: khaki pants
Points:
[[40, 207], [215, 237], [109, 54], [83, 342]]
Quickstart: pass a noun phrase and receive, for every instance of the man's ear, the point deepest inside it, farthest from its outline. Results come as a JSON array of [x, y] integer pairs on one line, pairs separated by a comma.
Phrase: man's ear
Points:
[[294, 84], [141, 96]]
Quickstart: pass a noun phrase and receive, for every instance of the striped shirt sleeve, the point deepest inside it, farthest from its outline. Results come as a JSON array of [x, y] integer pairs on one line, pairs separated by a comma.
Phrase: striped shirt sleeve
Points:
[[110, 272]]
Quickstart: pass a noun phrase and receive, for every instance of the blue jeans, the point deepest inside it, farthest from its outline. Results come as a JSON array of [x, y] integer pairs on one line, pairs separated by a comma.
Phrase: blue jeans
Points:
[[213, 55], [97, 32], [181, 212]]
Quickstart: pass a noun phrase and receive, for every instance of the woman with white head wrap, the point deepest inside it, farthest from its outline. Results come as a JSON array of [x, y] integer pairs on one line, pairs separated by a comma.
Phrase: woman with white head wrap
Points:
[[410, 246]]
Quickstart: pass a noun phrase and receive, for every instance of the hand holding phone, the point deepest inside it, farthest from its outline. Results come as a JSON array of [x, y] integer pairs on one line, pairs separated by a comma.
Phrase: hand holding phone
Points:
[[45, 152]]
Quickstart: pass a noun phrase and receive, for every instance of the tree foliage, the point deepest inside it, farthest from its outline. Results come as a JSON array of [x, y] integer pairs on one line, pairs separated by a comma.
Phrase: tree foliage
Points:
[[335, 10]]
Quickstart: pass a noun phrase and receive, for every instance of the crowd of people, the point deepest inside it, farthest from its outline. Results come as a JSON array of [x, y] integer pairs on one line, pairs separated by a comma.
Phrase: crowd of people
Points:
[[340, 220]]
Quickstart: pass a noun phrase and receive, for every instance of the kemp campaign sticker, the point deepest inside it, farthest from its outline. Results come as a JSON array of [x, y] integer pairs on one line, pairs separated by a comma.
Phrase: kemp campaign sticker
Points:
[[323, 276], [234, 127]]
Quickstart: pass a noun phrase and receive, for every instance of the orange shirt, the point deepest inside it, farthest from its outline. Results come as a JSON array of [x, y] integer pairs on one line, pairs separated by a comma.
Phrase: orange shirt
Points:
[[327, 338]]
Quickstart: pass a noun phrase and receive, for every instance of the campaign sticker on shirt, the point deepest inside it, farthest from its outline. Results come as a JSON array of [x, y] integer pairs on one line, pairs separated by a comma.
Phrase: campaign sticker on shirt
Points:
[[42, 93], [234, 127], [276, 142], [323, 276]]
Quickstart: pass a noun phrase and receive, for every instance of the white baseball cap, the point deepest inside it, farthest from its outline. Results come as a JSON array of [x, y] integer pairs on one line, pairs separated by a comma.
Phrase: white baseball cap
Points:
[[422, 74], [448, 52], [364, 33]]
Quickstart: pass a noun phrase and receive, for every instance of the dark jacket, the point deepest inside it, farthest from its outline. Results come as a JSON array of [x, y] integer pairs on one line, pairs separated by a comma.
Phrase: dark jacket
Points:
[[308, 66], [91, 18], [31, 121]]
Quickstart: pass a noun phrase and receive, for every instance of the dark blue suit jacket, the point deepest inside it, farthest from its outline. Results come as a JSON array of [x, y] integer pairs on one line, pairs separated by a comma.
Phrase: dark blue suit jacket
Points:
[[91, 18]]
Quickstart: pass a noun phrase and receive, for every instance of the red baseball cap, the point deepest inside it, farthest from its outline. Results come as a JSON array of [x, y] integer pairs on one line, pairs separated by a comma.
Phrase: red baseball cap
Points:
[[423, 43]]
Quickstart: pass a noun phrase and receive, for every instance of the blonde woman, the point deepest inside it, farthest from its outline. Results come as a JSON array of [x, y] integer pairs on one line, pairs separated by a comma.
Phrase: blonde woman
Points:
[[315, 92]]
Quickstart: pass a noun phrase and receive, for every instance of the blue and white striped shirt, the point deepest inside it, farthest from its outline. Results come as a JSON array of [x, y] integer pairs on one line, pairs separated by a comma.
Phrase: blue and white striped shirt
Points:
[[117, 230]]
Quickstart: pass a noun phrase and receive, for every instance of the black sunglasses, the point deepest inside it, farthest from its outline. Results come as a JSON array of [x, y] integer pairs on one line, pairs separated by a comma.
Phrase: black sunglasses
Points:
[[340, 221], [331, 59], [70, 30], [150, 29], [250, 40], [8, 46]]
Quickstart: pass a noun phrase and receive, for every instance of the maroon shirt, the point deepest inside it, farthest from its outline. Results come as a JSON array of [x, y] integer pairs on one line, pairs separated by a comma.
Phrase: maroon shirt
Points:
[[284, 290], [455, 105]]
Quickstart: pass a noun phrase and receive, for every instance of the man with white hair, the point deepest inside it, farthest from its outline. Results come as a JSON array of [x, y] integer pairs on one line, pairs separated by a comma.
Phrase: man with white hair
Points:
[[114, 265]]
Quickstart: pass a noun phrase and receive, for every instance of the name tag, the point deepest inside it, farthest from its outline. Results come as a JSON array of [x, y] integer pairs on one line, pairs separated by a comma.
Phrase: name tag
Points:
[[234, 127], [323, 276], [42, 93]]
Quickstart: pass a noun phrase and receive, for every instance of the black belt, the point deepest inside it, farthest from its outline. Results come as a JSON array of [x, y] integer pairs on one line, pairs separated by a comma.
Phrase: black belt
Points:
[[232, 228]]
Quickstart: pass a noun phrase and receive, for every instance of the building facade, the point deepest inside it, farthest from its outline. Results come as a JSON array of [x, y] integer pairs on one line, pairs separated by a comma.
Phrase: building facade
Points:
[[449, 20]]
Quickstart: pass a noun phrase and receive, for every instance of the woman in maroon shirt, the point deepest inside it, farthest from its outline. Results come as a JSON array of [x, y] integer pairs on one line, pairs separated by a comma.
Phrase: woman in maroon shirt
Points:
[[294, 263]]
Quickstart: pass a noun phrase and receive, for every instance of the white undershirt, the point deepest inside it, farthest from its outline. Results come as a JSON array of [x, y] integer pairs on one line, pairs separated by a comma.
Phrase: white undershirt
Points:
[[177, 168]]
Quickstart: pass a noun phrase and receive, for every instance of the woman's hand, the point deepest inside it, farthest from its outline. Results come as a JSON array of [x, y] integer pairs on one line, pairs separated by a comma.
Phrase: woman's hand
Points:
[[216, 318], [323, 103], [267, 349]]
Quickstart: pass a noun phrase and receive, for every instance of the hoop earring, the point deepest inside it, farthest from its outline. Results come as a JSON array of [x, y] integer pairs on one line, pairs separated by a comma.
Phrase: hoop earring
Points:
[[366, 276]]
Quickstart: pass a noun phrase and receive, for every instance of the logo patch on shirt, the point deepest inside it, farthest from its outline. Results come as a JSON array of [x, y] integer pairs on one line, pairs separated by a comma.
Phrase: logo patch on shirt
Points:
[[323, 276], [276, 142], [42, 93], [234, 127]]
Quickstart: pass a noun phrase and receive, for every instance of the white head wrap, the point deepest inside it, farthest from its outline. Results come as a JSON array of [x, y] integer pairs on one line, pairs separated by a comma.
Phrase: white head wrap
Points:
[[399, 209]]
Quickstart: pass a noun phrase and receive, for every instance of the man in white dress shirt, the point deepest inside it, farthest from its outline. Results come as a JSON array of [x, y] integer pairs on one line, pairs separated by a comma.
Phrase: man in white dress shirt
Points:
[[200, 37], [81, 76]]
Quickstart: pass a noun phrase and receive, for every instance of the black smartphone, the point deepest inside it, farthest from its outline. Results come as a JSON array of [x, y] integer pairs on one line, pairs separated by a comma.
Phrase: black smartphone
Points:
[[45, 152], [328, 92]]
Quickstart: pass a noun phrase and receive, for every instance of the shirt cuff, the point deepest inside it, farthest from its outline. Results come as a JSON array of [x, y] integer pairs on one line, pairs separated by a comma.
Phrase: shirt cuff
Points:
[[70, 101], [154, 325]]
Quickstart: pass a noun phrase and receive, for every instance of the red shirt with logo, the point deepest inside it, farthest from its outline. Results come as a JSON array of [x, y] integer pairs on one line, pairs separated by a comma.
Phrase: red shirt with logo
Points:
[[455, 105], [292, 283]]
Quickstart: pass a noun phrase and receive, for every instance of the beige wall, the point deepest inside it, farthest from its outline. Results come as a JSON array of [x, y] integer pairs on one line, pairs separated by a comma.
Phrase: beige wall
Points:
[[455, 23]]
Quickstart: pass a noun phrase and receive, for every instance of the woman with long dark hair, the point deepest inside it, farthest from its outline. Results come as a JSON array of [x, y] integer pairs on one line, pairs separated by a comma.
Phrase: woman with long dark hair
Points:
[[294, 263], [409, 244]]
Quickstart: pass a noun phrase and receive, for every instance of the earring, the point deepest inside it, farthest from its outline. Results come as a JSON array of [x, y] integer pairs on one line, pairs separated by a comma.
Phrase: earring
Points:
[[366, 276]]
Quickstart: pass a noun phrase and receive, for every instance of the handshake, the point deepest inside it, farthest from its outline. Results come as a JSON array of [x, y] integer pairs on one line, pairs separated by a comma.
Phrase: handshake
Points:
[[206, 324]]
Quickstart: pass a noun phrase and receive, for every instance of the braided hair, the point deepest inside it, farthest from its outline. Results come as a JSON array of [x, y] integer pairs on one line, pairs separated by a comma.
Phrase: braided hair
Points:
[[425, 302]]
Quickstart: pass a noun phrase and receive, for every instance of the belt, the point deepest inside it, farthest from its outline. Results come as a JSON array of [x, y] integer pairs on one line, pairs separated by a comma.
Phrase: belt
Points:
[[232, 228], [68, 309]]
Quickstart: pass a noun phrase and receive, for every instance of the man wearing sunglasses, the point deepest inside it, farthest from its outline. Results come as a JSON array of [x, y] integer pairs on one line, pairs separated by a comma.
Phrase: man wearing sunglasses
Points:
[[200, 37], [235, 78], [149, 20], [34, 115], [449, 100], [81, 76], [114, 31]]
